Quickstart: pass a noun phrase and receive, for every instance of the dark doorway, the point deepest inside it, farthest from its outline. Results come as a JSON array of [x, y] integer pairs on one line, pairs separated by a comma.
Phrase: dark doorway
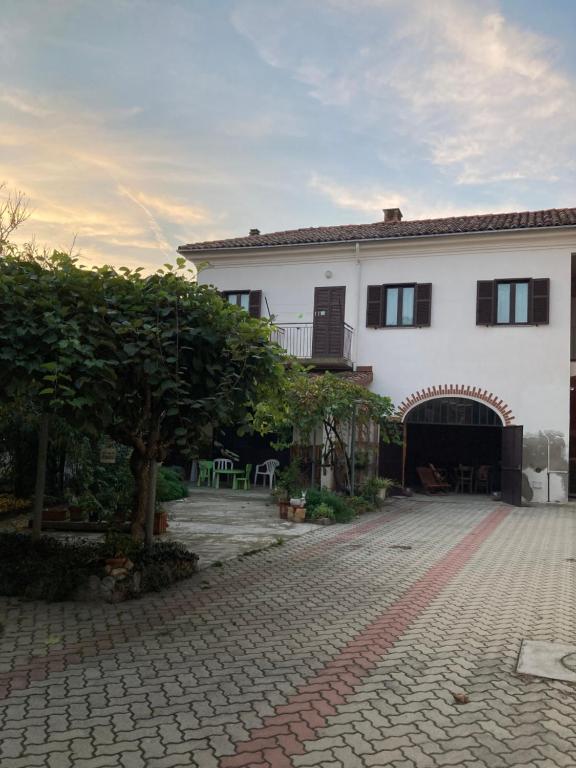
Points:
[[449, 432], [447, 446], [328, 329]]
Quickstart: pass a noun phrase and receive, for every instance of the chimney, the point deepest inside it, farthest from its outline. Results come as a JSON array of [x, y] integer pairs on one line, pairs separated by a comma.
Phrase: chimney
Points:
[[392, 215], [254, 232]]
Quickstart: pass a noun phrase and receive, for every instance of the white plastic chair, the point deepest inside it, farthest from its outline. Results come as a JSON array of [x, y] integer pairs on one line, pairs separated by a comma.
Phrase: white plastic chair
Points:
[[266, 470], [221, 465]]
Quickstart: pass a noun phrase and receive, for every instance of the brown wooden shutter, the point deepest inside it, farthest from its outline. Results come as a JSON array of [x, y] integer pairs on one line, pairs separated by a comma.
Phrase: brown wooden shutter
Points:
[[423, 304], [485, 302], [374, 308], [255, 303], [540, 301]]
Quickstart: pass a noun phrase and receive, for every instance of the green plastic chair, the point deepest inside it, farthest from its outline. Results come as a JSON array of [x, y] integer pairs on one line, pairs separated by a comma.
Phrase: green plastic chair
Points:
[[243, 480], [205, 471]]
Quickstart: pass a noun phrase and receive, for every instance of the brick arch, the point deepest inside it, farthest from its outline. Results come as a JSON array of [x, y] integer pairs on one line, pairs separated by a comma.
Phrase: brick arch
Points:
[[457, 390]]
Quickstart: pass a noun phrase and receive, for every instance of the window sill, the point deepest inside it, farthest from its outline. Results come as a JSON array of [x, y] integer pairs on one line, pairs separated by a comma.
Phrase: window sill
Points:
[[510, 325], [395, 327]]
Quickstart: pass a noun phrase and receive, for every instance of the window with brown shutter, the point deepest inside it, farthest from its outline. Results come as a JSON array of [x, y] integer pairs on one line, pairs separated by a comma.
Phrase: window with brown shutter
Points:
[[374, 306], [255, 303], [399, 305], [540, 301], [517, 301], [251, 301], [423, 307], [485, 302]]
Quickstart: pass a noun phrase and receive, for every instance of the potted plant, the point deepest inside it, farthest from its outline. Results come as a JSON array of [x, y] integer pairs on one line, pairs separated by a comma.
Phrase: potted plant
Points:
[[288, 485], [385, 484], [281, 497], [76, 513], [375, 489]]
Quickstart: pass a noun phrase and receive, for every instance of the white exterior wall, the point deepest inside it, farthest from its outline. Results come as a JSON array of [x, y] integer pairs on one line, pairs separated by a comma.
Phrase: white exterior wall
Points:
[[527, 367]]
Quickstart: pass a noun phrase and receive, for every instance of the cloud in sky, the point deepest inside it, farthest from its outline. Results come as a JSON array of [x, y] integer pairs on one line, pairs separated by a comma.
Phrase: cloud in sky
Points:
[[373, 199], [88, 182], [205, 119], [483, 95]]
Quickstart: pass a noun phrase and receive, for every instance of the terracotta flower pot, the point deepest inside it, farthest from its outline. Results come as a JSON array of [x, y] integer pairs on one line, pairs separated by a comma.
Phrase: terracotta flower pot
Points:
[[283, 508], [160, 523], [55, 514], [77, 514]]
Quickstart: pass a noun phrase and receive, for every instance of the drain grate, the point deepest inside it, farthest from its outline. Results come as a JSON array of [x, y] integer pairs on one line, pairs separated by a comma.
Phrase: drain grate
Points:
[[555, 661]]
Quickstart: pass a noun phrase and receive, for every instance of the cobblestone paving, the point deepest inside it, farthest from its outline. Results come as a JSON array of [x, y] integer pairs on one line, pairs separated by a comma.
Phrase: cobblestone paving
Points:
[[339, 650]]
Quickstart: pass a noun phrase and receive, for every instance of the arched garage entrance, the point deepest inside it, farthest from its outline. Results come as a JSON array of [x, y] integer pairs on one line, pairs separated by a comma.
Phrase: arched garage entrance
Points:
[[450, 431]]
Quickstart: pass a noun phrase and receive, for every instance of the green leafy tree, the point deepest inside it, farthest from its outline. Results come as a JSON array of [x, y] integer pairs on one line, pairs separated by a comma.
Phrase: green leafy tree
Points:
[[186, 359], [312, 402], [150, 360], [53, 354]]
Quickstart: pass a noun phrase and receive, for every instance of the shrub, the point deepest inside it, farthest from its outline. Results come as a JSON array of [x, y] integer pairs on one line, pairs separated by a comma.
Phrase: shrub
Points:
[[315, 497], [9, 503], [170, 485], [359, 505], [46, 569], [167, 562], [49, 569], [322, 510], [289, 479]]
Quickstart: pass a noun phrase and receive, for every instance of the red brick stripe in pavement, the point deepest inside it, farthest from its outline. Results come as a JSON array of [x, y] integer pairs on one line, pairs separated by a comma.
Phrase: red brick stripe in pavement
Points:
[[284, 733]]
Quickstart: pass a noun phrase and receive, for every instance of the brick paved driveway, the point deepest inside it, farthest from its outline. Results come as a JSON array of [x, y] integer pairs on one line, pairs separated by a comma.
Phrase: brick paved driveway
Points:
[[341, 649]]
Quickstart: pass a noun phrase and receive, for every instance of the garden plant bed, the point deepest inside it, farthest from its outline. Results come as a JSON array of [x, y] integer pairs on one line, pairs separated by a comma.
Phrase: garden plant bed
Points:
[[11, 506], [111, 571], [82, 526]]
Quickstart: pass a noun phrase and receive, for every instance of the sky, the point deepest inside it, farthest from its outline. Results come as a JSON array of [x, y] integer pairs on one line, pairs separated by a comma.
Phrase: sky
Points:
[[134, 126]]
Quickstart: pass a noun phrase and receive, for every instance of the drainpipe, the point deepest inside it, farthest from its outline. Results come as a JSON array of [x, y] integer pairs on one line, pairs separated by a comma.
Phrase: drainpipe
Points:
[[548, 467], [358, 286], [353, 451]]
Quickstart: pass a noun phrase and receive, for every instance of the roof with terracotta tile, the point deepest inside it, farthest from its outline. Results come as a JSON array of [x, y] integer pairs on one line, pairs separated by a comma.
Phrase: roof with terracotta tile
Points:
[[363, 375], [489, 222]]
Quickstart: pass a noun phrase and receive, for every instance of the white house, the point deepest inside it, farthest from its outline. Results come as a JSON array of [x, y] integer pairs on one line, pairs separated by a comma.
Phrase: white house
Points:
[[465, 323]]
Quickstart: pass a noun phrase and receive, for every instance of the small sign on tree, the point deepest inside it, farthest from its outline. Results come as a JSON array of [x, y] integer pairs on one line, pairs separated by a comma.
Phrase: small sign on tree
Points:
[[108, 454]]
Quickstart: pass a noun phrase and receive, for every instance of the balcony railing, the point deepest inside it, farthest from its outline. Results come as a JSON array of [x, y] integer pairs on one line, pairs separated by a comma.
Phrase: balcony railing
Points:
[[298, 340]]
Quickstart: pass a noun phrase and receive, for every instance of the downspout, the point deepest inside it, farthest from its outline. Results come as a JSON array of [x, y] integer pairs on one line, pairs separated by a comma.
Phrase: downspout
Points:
[[358, 286]]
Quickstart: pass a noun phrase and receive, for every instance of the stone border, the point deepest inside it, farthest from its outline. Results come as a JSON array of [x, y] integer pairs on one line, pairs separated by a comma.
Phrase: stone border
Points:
[[457, 390]]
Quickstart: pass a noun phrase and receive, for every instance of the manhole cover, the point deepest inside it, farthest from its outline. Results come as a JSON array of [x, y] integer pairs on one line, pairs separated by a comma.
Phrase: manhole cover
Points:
[[556, 661], [569, 661]]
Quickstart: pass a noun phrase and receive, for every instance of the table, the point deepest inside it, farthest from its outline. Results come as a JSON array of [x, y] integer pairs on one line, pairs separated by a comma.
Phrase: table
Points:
[[229, 472]]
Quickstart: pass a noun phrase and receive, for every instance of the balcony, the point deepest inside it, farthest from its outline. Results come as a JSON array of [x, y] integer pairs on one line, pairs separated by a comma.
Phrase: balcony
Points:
[[320, 347]]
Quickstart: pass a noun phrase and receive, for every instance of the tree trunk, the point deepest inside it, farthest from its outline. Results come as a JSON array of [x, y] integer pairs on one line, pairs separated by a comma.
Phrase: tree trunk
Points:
[[151, 504], [40, 476], [140, 467], [145, 455]]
